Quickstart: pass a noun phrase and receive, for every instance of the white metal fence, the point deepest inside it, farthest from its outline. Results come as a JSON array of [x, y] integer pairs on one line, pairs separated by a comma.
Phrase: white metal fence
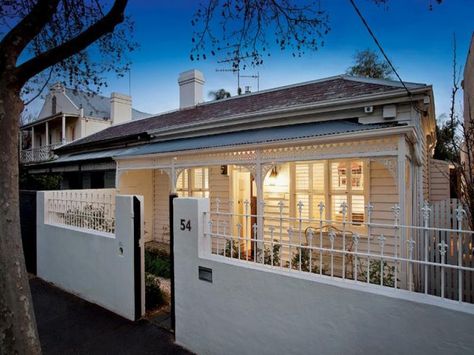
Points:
[[426, 258], [86, 209]]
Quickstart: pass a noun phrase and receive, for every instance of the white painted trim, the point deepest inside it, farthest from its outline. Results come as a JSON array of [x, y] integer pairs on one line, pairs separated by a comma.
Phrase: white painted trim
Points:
[[282, 160], [70, 100]]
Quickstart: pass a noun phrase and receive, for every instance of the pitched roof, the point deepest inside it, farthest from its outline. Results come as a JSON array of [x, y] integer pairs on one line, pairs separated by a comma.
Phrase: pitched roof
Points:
[[97, 105], [334, 88]]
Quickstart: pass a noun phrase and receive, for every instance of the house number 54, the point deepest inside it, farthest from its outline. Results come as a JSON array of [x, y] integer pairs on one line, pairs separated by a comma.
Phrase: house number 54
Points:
[[185, 224]]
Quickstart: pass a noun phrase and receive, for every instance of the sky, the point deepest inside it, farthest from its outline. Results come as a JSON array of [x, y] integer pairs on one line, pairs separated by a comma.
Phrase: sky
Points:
[[418, 42]]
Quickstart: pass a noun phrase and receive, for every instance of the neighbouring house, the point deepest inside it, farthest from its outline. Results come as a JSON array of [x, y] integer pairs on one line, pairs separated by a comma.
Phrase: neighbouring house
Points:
[[468, 84], [66, 116], [338, 140], [468, 91]]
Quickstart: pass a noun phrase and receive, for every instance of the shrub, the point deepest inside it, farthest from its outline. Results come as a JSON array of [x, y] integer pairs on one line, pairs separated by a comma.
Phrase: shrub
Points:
[[375, 274], [234, 245], [305, 261], [153, 296], [158, 263], [267, 255]]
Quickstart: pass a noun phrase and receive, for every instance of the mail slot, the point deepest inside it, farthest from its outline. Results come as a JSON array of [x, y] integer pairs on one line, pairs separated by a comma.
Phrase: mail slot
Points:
[[205, 274]]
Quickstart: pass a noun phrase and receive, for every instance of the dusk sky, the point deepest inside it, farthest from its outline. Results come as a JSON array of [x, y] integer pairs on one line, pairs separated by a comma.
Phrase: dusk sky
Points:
[[418, 41]]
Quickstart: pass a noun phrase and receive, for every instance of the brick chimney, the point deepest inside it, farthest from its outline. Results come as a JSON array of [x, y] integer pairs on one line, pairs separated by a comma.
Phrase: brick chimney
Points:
[[120, 108], [191, 85]]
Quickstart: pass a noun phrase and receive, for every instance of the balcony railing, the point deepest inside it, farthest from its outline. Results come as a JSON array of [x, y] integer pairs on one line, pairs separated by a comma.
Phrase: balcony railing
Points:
[[36, 155]]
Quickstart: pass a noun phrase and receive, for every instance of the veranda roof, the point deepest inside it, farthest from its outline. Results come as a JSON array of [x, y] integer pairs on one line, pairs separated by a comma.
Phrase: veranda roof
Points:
[[255, 136]]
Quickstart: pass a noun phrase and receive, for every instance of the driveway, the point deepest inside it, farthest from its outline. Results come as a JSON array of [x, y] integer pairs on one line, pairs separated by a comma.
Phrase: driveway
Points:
[[70, 325]]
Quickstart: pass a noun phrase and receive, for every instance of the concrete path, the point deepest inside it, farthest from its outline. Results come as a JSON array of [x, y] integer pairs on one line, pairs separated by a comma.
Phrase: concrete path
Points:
[[70, 325]]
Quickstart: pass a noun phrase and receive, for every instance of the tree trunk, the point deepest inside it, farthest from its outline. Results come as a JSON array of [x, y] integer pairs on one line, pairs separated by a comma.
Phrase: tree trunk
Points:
[[18, 333]]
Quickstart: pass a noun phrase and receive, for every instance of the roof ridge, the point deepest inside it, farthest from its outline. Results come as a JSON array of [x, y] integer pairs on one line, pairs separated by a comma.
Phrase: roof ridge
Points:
[[380, 81]]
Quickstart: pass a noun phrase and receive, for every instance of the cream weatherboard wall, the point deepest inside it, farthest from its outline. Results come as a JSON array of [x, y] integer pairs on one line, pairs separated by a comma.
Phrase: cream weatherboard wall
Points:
[[140, 182], [162, 189]]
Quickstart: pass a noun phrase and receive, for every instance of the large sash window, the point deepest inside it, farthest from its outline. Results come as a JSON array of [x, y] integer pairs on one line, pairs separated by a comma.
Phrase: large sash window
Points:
[[333, 183]]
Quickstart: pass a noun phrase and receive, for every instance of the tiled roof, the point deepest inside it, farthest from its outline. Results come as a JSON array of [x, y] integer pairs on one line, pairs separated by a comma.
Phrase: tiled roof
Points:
[[336, 88]]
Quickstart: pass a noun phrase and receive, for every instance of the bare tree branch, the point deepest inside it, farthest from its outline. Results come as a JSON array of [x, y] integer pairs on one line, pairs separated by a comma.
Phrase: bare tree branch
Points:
[[103, 26]]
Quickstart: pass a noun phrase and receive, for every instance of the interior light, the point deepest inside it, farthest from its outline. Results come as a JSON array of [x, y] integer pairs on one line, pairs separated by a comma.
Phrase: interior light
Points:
[[273, 176]]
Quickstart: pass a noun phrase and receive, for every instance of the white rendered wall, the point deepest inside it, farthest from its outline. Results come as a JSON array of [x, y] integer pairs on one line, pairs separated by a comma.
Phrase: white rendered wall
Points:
[[90, 264], [256, 310]]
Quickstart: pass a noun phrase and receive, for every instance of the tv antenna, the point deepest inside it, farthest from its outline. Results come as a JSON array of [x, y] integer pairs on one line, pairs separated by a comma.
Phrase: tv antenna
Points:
[[236, 69]]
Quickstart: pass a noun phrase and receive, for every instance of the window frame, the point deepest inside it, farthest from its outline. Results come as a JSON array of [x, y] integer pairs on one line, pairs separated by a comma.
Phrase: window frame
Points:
[[349, 192], [328, 192], [188, 187]]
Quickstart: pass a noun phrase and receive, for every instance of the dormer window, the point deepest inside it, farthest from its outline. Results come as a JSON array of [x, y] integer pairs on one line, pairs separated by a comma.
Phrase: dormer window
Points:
[[53, 105]]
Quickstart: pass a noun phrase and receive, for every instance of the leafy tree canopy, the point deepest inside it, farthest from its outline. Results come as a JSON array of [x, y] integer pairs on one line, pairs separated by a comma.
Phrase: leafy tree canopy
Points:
[[219, 94], [368, 64]]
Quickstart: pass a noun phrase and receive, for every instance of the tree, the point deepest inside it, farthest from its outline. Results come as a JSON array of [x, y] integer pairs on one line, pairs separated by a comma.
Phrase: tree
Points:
[[43, 36], [368, 64], [445, 131], [219, 94]]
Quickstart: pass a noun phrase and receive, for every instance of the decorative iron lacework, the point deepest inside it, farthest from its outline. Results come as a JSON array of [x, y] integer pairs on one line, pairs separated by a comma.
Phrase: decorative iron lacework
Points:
[[266, 156]]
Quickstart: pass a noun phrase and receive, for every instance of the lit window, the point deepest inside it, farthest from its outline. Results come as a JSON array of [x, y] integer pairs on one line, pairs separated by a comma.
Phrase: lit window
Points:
[[193, 182], [352, 194], [338, 181], [309, 187]]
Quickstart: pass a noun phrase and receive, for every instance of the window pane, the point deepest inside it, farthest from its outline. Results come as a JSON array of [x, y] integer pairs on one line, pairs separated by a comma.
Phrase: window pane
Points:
[[357, 176], [358, 209], [338, 176], [336, 210], [318, 176], [304, 198], [197, 178], [316, 200], [206, 178], [302, 176]]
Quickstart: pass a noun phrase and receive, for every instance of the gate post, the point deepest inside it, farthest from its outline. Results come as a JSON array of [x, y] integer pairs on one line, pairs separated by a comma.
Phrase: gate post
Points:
[[191, 247], [171, 214]]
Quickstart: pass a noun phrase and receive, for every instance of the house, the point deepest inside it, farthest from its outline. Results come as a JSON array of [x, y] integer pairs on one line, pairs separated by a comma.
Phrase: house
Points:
[[468, 85], [66, 116], [340, 141]]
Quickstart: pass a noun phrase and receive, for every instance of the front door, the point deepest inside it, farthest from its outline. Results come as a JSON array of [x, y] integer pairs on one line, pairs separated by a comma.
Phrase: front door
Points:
[[243, 208]]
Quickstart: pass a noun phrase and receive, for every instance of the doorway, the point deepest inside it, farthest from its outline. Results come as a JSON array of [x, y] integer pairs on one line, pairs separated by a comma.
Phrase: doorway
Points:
[[245, 208]]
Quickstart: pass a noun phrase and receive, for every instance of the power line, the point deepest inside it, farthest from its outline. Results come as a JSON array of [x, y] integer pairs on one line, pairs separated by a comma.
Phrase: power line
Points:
[[378, 44]]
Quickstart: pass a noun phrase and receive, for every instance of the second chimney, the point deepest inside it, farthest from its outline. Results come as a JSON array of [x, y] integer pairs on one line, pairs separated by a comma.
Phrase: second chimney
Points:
[[120, 108], [191, 85]]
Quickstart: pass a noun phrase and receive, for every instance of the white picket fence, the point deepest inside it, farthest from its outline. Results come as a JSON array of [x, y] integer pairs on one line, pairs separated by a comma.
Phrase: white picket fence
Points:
[[444, 216]]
